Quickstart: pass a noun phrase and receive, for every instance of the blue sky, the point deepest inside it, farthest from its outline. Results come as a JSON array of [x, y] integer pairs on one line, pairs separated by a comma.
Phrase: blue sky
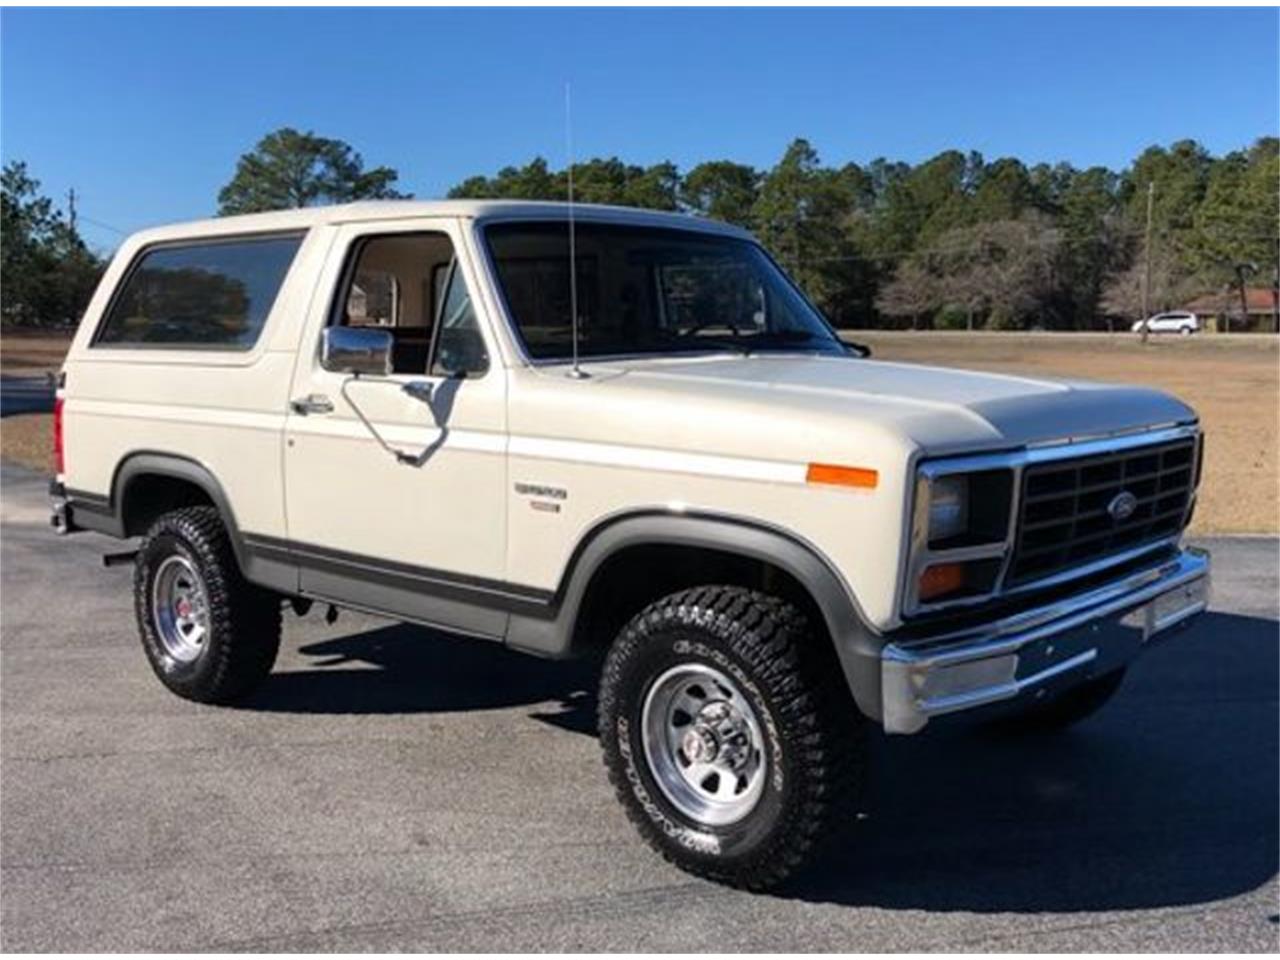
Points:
[[145, 111]]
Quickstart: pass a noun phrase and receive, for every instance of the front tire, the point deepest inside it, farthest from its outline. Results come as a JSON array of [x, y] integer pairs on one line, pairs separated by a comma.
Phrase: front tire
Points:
[[728, 734], [209, 634]]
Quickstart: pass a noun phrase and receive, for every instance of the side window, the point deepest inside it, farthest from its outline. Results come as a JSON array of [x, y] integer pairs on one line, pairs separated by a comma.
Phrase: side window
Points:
[[459, 348], [374, 299], [211, 295], [388, 285]]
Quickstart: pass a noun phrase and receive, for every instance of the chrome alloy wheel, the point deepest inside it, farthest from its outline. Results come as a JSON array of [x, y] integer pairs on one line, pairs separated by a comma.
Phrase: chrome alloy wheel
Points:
[[703, 744], [180, 609]]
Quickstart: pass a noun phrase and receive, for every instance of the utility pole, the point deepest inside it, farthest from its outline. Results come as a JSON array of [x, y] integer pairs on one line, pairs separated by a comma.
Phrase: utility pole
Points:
[[1243, 270], [71, 208], [1146, 271]]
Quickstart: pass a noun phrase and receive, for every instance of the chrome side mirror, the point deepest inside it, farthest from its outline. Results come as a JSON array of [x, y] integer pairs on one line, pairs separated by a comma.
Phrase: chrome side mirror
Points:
[[356, 350]]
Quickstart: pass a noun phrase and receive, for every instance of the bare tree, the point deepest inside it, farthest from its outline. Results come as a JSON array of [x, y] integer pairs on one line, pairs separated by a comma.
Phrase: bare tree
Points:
[[1004, 269], [913, 292], [1122, 295]]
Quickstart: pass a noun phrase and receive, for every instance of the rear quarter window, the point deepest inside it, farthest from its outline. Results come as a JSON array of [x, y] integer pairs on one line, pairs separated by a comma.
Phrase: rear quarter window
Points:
[[199, 295]]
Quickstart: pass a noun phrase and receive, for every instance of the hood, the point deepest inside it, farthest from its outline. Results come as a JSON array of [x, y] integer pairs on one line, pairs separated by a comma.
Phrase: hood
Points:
[[940, 410]]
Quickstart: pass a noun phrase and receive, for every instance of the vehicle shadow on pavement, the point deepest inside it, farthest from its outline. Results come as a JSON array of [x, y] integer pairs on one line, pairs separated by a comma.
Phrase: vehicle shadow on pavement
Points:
[[428, 671], [1166, 797]]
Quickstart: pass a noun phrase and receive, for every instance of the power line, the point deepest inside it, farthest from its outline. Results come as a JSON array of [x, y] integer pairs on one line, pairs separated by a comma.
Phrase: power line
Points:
[[104, 226]]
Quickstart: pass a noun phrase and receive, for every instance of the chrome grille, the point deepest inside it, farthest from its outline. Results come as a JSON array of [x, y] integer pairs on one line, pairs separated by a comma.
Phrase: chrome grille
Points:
[[1064, 518]]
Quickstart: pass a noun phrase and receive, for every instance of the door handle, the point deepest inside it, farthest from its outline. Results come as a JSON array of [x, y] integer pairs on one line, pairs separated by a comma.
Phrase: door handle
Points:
[[312, 403]]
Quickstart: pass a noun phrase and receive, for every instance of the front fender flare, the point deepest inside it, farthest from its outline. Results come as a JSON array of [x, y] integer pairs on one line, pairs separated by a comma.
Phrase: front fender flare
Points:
[[857, 644]]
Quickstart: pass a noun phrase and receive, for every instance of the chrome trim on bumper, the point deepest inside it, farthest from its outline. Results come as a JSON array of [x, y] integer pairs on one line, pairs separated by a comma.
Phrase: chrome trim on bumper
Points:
[[1095, 631]]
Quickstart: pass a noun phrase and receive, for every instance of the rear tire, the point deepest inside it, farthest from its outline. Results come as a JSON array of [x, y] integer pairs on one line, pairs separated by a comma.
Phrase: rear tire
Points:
[[209, 634], [728, 734]]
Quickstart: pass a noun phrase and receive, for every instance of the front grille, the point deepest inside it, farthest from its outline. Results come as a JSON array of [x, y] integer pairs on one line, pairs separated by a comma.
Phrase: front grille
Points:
[[1064, 520]]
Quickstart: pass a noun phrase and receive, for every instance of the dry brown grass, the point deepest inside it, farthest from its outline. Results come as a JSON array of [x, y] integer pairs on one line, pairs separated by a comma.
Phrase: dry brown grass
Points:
[[28, 439], [1233, 382], [29, 354]]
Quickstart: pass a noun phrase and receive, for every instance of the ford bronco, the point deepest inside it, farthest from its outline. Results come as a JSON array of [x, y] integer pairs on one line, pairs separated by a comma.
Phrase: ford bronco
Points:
[[656, 451]]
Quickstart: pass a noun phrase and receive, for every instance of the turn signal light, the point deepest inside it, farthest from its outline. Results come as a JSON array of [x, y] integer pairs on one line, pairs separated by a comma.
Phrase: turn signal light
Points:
[[842, 476], [940, 579]]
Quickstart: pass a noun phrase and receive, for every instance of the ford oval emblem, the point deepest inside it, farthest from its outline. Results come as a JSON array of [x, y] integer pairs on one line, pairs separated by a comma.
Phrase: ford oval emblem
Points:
[[1122, 506]]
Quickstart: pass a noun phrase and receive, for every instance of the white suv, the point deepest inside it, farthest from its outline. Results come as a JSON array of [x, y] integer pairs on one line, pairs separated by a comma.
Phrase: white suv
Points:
[[1176, 322], [659, 453]]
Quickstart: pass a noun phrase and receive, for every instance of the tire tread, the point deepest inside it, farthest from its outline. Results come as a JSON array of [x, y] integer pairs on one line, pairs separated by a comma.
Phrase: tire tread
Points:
[[245, 620], [826, 736]]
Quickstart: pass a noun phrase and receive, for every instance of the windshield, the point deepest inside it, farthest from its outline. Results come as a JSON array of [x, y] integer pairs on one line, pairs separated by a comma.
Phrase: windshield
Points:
[[643, 290]]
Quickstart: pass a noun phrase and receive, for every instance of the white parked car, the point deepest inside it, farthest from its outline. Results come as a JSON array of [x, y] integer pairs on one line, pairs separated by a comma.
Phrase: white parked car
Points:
[[773, 542], [1178, 321]]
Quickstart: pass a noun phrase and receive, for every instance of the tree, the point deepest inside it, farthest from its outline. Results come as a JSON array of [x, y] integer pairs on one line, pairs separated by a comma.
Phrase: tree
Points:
[[1181, 176], [1004, 191], [722, 190], [1171, 284], [1002, 269], [1239, 218], [533, 181], [654, 188], [48, 272], [890, 240], [913, 293], [803, 213], [289, 169], [594, 181], [1095, 243]]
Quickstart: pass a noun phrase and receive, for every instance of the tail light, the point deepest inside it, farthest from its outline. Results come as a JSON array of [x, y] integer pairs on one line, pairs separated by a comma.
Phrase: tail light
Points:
[[59, 460]]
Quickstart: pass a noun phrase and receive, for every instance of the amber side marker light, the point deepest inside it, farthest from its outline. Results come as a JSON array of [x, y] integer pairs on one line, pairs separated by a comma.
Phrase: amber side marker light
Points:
[[833, 475], [940, 579]]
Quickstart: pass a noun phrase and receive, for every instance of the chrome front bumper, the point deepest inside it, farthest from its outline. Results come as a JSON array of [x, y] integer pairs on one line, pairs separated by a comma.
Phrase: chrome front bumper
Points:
[[1039, 652]]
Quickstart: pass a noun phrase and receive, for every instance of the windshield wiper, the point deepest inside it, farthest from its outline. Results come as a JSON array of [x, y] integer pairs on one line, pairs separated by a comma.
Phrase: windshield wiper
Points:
[[699, 342], [774, 339]]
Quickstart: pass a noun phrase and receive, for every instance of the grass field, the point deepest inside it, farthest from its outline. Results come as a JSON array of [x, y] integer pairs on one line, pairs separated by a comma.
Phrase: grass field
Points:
[[1233, 382], [30, 354]]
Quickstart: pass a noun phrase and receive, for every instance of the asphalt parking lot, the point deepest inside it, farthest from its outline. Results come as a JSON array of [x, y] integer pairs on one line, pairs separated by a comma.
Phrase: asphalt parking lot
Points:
[[391, 789]]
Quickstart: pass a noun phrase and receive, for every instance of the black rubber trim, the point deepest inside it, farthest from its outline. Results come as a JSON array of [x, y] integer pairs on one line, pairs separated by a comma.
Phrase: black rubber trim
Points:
[[104, 514], [497, 594], [81, 497], [857, 643], [88, 511], [541, 621]]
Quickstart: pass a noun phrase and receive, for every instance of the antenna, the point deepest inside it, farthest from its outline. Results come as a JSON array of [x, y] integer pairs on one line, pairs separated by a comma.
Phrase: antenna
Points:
[[575, 371]]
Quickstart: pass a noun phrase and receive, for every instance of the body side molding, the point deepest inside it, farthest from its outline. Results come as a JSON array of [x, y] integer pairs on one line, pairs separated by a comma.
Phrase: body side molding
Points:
[[529, 619]]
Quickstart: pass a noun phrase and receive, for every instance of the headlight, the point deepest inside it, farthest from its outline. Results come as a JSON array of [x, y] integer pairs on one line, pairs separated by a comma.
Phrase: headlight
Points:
[[960, 534], [948, 507]]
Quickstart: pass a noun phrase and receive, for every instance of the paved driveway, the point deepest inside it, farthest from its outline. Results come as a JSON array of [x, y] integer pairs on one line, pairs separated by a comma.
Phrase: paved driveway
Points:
[[392, 789]]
